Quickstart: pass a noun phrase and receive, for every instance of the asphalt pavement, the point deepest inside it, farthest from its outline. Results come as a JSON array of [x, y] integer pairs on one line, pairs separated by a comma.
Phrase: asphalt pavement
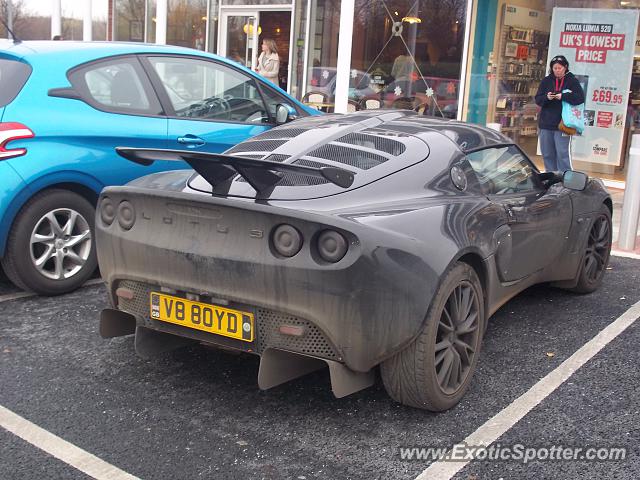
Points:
[[197, 413]]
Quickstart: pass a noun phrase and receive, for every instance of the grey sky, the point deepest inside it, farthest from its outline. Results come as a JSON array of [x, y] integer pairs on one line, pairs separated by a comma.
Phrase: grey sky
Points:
[[70, 8]]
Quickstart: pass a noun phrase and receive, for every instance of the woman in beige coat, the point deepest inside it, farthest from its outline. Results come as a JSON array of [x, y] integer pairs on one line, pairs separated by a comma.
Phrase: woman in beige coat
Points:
[[269, 62]]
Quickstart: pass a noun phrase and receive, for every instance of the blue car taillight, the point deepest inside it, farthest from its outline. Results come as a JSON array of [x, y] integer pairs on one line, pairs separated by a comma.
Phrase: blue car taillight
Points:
[[10, 131]]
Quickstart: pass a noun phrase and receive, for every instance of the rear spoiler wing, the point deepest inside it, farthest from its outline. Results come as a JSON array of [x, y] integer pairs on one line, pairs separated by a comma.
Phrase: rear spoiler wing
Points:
[[220, 169]]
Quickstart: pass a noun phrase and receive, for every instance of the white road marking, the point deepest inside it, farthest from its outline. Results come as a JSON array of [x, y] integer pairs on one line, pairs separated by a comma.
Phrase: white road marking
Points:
[[61, 449], [620, 253], [496, 426], [17, 295]]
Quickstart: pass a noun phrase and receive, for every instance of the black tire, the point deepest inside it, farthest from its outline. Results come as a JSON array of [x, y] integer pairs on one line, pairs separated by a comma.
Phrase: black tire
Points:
[[596, 253], [411, 376], [68, 265]]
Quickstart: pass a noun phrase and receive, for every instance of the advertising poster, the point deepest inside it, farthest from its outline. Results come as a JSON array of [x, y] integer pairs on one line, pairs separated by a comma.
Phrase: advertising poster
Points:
[[599, 45]]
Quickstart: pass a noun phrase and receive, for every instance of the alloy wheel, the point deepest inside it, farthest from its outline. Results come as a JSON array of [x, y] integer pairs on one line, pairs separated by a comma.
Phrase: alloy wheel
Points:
[[598, 245], [60, 244], [457, 337]]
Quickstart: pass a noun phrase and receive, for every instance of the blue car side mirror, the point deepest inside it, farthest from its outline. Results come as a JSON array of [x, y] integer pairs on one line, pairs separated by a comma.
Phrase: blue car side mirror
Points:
[[285, 113]]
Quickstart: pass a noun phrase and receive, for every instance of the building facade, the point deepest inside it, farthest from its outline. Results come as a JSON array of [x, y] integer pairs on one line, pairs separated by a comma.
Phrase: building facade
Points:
[[475, 60]]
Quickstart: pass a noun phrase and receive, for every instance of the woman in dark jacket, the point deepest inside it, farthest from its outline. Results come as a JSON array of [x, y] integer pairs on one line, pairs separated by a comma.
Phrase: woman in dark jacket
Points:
[[560, 85]]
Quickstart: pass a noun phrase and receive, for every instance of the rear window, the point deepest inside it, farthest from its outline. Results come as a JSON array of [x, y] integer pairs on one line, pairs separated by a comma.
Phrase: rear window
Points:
[[13, 76]]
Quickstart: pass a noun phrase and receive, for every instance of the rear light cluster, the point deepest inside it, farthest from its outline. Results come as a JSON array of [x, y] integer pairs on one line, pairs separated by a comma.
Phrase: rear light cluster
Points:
[[327, 246], [330, 246], [124, 212], [10, 131]]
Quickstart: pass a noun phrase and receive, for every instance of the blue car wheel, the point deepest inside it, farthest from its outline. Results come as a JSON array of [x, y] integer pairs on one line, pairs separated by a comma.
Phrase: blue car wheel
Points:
[[50, 249]]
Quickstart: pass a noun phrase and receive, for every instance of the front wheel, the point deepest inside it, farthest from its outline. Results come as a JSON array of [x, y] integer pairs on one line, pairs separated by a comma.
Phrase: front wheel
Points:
[[50, 249], [596, 254], [435, 371]]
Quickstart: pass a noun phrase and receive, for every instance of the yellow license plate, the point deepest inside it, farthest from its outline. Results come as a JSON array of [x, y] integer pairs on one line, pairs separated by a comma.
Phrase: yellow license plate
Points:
[[202, 316]]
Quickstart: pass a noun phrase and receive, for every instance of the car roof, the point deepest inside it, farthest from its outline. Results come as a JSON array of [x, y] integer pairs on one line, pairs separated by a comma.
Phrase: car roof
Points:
[[69, 53], [64, 55], [38, 47]]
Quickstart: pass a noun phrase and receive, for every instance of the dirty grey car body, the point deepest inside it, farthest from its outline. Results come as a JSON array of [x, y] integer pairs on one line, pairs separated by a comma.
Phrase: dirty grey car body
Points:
[[419, 207]]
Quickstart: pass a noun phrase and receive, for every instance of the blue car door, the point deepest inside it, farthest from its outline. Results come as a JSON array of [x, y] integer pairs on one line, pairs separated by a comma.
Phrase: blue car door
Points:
[[111, 103], [211, 106]]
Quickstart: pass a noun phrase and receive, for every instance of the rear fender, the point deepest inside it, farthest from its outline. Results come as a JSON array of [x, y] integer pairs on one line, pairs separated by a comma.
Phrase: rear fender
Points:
[[29, 190]]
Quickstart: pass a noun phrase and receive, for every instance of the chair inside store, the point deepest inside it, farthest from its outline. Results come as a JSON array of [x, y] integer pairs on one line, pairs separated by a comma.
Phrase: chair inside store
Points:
[[406, 103], [318, 100], [370, 104], [353, 106]]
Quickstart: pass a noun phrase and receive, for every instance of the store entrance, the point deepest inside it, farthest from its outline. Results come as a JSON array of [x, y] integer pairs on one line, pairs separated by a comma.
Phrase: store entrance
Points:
[[515, 58], [242, 33]]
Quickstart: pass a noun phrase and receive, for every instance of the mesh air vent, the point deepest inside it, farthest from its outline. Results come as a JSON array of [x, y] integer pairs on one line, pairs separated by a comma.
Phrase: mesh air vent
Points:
[[279, 133], [277, 158], [257, 146], [313, 342], [349, 156], [387, 145]]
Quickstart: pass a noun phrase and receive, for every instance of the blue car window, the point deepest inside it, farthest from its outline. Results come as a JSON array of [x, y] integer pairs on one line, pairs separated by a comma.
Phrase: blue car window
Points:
[[272, 100], [502, 170], [116, 85], [206, 90], [13, 75]]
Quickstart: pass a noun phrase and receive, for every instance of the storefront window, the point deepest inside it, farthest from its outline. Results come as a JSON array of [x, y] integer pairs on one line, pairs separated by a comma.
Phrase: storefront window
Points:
[[256, 2], [324, 25], [298, 47], [407, 55], [129, 20], [187, 23], [511, 56], [150, 33]]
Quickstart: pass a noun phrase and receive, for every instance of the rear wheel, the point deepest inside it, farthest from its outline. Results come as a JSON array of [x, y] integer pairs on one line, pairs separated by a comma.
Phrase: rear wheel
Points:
[[50, 249], [435, 371], [596, 254]]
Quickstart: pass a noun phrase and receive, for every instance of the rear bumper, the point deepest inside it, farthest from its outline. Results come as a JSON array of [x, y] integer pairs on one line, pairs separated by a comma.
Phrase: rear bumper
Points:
[[10, 200], [357, 311]]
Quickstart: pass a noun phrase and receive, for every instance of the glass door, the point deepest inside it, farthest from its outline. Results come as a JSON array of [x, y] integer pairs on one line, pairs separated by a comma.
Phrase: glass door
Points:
[[239, 33]]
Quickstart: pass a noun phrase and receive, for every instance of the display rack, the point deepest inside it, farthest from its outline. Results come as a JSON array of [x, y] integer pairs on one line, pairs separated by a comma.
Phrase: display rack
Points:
[[519, 68]]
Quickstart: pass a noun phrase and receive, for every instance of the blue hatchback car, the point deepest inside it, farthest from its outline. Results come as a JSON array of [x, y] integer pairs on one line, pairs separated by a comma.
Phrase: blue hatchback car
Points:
[[65, 106]]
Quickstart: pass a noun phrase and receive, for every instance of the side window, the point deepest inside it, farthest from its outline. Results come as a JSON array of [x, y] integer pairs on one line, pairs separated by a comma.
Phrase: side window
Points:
[[502, 170], [206, 90], [13, 76], [117, 85]]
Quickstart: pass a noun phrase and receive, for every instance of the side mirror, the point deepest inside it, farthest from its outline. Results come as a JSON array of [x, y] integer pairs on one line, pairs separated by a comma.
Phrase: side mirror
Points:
[[285, 113], [575, 180]]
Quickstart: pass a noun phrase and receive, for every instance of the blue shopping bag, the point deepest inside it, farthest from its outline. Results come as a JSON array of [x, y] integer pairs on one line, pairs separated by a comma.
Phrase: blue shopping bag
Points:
[[573, 116]]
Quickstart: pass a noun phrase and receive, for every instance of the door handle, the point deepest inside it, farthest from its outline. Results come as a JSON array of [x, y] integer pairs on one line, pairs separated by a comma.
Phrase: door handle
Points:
[[510, 214], [191, 141]]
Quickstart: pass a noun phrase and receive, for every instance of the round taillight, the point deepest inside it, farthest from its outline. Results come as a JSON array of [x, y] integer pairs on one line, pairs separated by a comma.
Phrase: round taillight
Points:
[[107, 211], [126, 215], [332, 246], [287, 241]]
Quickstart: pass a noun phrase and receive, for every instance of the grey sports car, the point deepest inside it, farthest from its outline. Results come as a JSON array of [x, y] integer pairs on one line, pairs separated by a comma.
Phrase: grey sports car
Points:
[[353, 241]]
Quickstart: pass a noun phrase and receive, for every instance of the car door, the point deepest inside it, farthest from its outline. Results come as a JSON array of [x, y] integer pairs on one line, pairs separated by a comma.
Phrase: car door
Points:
[[537, 219], [211, 106], [119, 108]]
